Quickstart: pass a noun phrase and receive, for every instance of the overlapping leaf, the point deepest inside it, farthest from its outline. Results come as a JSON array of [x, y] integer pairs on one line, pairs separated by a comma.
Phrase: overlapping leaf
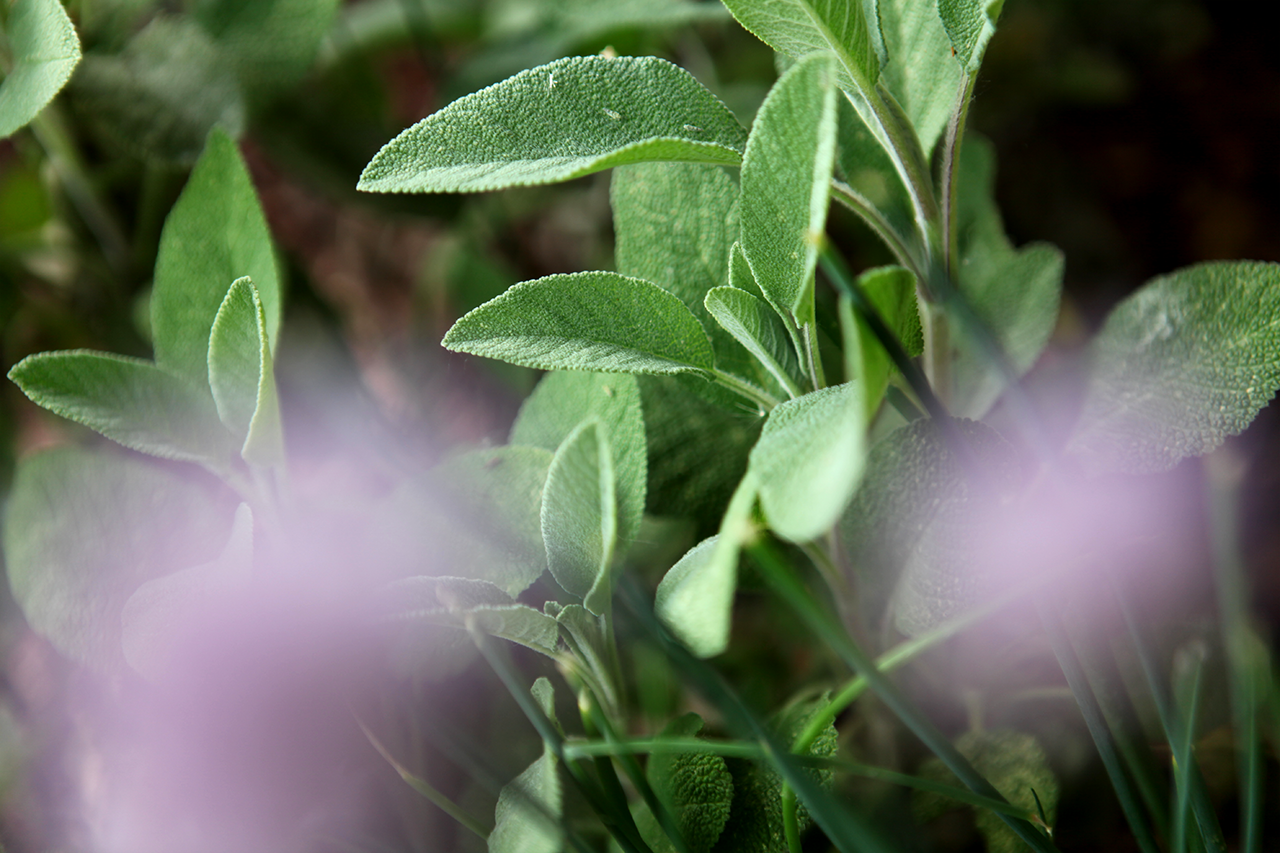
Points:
[[570, 118], [921, 72], [45, 50], [758, 328], [527, 817], [579, 515], [241, 375], [461, 603]]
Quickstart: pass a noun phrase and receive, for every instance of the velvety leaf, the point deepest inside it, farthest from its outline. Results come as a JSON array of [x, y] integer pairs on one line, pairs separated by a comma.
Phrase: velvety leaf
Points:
[[970, 24], [579, 515], [488, 515], [800, 27], [163, 94], [83, 529], [154, 618], [757, 327], [695, 787], [695, 598], [565, 399], [586, 321], [786, 180], [241, 375], [215, 234], [457, 602], [570, 118], [130, 401], [527, 817], [270, 43], [809, 460], [921, 73], [44, 51], [1184, 362]]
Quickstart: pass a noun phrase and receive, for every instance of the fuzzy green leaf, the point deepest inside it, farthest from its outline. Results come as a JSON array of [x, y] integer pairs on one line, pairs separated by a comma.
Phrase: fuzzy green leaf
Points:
[[130, 401], [83, 529], [695, 597], [163, 94], [45, 50], [241, 375], [1184, 362], [215, 234], [580, 515], [970, 24], [695, 787], [809, 460], [847, 28], [565, 399], [786, 181], [754, 325], [921, 72], [586, 321], [570, 118]]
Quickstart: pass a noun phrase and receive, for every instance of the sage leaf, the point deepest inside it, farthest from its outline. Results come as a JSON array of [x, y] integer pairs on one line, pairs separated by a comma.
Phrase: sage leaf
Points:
[[598, 321], [921, 73], [570, 118], [695, 787], [241, 375], [565, 399], [1187, 360], [758, 328], [864, 165], [45, 50], [461, 602], [215, 234], [786, 180], [970, 24], [809, 460], [695, 597], [527, 817], [130, 401], [800, 27], [84, 528], [163, 94], [892, 290], [154, 619], [579, 515]]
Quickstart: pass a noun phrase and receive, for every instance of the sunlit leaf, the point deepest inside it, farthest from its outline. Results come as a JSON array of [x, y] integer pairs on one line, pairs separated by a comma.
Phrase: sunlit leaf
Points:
[[45, 50], [241, 375]]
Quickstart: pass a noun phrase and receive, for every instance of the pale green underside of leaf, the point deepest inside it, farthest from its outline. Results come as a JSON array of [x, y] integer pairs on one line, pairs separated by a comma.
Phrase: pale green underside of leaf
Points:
[[130, 401], [1184, 362], [569, 118], [970, 24], [757, 327], [597, 321], [786, 179], [215, 234], [84, 528], [459, 602], [921, 72], [809, 460], [241, 375], [45, 50], [695, 598], [797, 28], [565, 399], [579, 515]]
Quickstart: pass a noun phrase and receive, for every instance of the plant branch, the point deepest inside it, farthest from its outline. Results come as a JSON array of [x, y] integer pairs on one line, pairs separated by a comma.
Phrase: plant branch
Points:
[[874, 219], [738, 385], [950, 152]]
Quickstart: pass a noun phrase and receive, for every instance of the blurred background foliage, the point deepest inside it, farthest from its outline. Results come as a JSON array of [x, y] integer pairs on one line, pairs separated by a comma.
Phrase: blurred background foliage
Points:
[[1137, 136]]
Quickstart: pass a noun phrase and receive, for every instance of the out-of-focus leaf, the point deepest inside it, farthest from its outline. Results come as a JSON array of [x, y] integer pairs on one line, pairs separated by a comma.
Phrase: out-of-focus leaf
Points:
[[459, 602], [863, 164], [570, 118], [45, 50], [527, 817], [242, 378], [580, 515], [893, 292]]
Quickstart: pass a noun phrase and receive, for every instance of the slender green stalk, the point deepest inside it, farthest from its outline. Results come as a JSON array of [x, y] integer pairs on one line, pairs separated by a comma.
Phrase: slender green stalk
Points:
[[874, 219], [1189, 702], [950, 152], [755, 394], [909, 160], [812, 357]]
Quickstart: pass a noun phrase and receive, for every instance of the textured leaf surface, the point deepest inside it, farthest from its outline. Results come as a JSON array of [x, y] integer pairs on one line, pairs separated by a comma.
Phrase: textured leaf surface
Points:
[[270, 43], [757, 327], [241, 375], [586, 321], [797, 28], [84, 529], [457, 602], [580, 515], [128, 400], [921, 72], [45, 50], [695, 597], [695, 787], [565, 399], [786, 178], [527, 817], [215, 234], [163, 94], [1184, 362], [970, 24], [809, 459], [570, 118]]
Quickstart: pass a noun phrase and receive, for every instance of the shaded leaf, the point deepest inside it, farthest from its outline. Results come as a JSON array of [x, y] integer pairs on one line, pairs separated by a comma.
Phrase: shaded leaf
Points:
[[893, 292], [695, 787], [527, 817], [921, 72], [242, 377], [970, 24], [586, 321], [45, 50], [863, 163], [584, 633], [1184, 362], [565, 399], [130, 401], [579, 515], [809, 460], [786, 178], [215, 234], [570, 118], [758, 328]]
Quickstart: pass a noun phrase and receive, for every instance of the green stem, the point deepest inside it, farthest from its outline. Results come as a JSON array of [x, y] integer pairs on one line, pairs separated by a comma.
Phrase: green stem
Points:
[[950, 152], [738, 385], [904, 150], [814, 358], [1189, 700], [874, 219]]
